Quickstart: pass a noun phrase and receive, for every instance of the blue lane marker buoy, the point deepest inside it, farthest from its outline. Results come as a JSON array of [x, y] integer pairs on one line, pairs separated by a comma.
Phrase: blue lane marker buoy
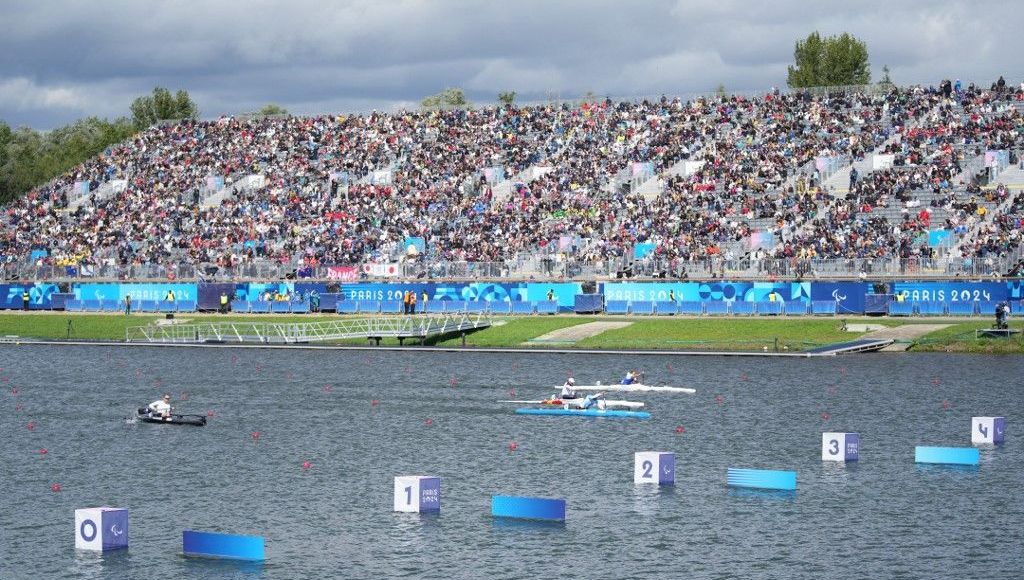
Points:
[[761, 479], [946, 455], [528, 508]]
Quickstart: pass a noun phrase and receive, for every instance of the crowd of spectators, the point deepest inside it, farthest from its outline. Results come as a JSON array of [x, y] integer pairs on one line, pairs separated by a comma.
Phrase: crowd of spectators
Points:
[[732, 175]]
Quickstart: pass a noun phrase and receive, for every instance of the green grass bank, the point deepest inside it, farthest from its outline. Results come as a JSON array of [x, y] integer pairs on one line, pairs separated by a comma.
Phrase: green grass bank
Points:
[[734, 334]]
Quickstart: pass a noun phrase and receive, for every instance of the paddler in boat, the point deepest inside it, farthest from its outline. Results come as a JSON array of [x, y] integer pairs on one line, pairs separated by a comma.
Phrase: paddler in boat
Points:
[[592, 400], [632, 377], [568, 392], [161, 407]]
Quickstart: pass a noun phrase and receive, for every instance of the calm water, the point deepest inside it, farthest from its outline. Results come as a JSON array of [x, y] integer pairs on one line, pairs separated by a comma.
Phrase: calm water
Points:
[[883, 517]]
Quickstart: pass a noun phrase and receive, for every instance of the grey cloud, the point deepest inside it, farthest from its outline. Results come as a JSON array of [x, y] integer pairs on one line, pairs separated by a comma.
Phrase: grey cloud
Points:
[[62, 59]]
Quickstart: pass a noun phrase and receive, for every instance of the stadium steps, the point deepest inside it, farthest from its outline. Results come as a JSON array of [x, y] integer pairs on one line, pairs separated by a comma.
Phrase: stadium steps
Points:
[[104, 191]]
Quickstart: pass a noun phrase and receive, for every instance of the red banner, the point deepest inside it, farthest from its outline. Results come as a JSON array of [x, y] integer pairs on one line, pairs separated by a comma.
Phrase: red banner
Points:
[[343, 273]]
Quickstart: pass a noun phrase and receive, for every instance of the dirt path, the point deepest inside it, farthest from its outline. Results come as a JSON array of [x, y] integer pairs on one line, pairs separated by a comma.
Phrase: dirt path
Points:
[[903, 334], [579, 332]]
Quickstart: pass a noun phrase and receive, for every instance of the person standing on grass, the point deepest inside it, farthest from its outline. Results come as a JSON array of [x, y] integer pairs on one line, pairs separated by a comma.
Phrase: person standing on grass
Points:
[[127, 304], [26, 299]]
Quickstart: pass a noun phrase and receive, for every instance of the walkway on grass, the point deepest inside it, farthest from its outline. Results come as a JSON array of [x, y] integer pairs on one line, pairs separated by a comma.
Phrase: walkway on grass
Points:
[[573, 334], [903, 335]]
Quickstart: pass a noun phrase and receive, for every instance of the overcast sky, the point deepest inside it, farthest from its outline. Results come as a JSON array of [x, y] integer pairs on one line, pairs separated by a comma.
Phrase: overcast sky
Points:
[[63, 59]]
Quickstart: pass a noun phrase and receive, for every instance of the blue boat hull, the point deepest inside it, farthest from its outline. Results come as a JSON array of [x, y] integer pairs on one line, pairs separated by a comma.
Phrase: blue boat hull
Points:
[[587, 413]]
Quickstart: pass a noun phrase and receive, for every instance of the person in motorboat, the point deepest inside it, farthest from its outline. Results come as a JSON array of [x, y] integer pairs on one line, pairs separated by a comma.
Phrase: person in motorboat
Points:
[[568, 392], [161, 407]]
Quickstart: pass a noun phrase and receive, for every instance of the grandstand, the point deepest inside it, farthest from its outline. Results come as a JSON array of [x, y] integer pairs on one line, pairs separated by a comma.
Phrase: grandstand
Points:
[[847, 183]]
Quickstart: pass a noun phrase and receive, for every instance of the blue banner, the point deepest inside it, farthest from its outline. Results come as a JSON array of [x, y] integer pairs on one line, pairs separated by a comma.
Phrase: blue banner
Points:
[[642, 250], [564, 292], [40, 296], [117, 292], [953, 291], [706, 291], [848, 296]]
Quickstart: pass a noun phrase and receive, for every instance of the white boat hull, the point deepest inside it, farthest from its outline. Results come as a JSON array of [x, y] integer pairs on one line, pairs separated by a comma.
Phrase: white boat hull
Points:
[[635, 388]]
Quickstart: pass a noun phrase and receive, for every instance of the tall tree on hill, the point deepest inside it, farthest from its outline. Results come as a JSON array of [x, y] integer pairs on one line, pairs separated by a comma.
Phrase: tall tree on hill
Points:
[[29, 158], [830, 61], [446, 99], [272, 109], [163, 106], [507, 98]]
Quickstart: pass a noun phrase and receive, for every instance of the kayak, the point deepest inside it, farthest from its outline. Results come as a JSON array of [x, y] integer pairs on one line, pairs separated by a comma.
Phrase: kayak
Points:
[[587, 413], [609, 403], [195, 420], [635, 388]]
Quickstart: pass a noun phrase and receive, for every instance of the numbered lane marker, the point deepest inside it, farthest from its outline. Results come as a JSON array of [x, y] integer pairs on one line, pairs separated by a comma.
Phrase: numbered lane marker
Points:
[[840, 446], [656, 467], [101, 529], [988, 430], [417, 493]]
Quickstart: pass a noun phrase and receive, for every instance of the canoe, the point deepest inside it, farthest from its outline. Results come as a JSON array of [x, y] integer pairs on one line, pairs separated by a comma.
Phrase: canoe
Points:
[[635, 388], [194, 420], [609, 403], [586, 413]]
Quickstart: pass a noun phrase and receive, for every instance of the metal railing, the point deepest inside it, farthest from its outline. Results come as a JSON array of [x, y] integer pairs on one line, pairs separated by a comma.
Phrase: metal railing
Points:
[[540, 267], [401, 327]]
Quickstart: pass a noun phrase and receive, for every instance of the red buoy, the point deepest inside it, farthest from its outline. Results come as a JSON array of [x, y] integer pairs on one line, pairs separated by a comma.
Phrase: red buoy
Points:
[[255, 436], [680, 429], [945, 404], [209, 413], [375, 402], [43, 451], [512, 446], [429, 421], [30, 426], [825, 415], [328, 388], [18, 407], [55, 488], [14, 391], [307, 464], [511, 392], [935, 380], [719, 399]]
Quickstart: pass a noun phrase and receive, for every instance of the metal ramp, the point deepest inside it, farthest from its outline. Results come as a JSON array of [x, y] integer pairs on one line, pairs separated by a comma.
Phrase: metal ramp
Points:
[[400, 327], [863, 345]]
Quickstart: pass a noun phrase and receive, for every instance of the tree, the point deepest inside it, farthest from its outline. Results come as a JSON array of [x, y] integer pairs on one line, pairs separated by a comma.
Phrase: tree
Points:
[[507, 97], [272, 109], [162, 106], [720, 91], [885, 80], [831, 61], [29, 158], [448, 98]]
